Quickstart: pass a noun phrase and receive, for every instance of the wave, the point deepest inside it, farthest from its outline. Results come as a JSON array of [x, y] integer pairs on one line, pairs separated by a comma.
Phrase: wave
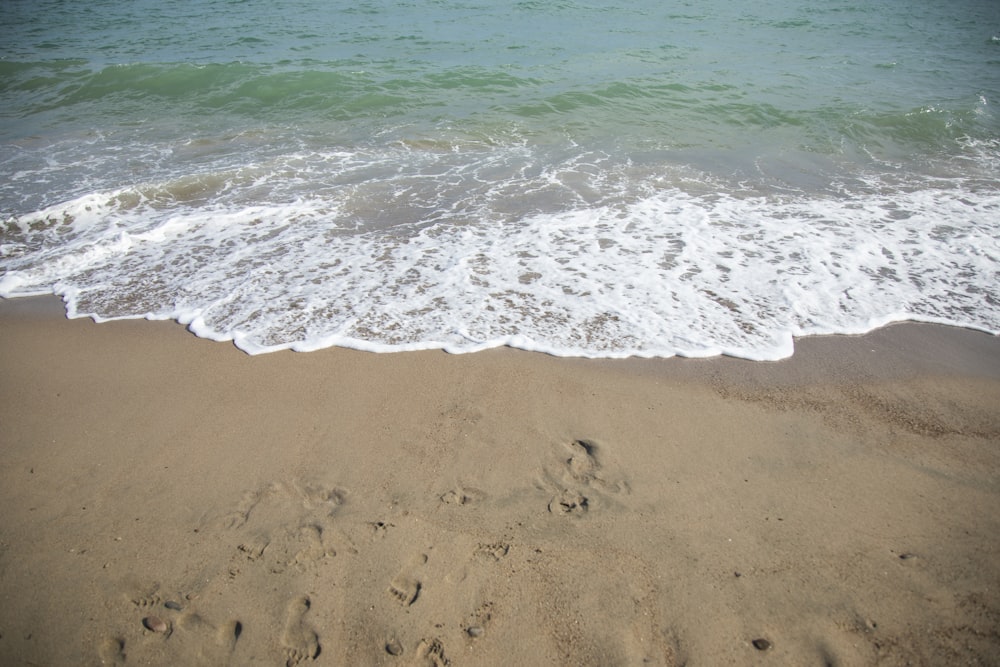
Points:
[[693, 271], [344, 90], [339, 90]]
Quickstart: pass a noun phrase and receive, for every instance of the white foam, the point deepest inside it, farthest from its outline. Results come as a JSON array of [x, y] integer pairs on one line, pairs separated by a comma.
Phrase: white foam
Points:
[[463, 260]]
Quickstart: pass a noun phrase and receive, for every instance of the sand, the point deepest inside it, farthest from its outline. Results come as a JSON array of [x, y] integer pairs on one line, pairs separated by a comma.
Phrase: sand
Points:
[[169, 500]]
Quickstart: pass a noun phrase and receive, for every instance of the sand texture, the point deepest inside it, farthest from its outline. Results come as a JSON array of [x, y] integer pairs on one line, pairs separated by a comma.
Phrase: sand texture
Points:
[[168, 500]]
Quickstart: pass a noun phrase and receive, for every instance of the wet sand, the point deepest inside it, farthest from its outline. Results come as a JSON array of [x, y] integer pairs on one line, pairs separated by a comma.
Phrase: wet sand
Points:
[[169, 500]]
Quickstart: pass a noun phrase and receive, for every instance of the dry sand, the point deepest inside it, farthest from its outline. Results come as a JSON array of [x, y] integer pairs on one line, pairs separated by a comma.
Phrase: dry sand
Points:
[[168, 500]]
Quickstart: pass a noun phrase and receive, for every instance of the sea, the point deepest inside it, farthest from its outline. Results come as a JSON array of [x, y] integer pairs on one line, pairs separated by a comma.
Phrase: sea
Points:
[[592, 178]]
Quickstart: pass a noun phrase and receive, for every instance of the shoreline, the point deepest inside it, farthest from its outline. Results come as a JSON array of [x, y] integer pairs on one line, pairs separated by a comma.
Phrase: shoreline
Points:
[[339, 506], [896, 350]]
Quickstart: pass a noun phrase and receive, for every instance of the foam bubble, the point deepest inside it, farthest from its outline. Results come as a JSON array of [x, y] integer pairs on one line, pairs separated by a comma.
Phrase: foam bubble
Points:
[[467, 258]]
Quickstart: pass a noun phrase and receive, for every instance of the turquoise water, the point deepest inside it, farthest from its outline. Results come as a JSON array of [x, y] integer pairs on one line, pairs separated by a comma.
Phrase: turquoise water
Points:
[[598, 179]]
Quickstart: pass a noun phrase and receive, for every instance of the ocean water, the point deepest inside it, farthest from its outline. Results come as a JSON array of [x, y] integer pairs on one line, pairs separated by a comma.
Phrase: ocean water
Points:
[[602, 179]]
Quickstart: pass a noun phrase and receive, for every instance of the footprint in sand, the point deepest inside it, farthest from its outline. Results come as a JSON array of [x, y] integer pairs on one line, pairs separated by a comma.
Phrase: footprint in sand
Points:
[[481, 618], [315, 549], [569, 503], [462, 496], [217, 642], [405, 587], [253, 548], [299, 639], [251, 499], [112, 651], [380, 528], [192, 638], [285, 524], [430, 653], [393, 647], [494, 552], [582, 464], [577, 478], [282, 546], [227, 635], [316, 501], [146, 598]]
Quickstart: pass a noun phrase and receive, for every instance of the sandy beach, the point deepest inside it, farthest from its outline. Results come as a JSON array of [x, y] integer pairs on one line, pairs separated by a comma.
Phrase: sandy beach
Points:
[[169, 500]]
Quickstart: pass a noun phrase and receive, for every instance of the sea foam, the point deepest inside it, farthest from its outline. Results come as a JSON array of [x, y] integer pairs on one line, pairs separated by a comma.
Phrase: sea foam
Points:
[[662, 271]]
